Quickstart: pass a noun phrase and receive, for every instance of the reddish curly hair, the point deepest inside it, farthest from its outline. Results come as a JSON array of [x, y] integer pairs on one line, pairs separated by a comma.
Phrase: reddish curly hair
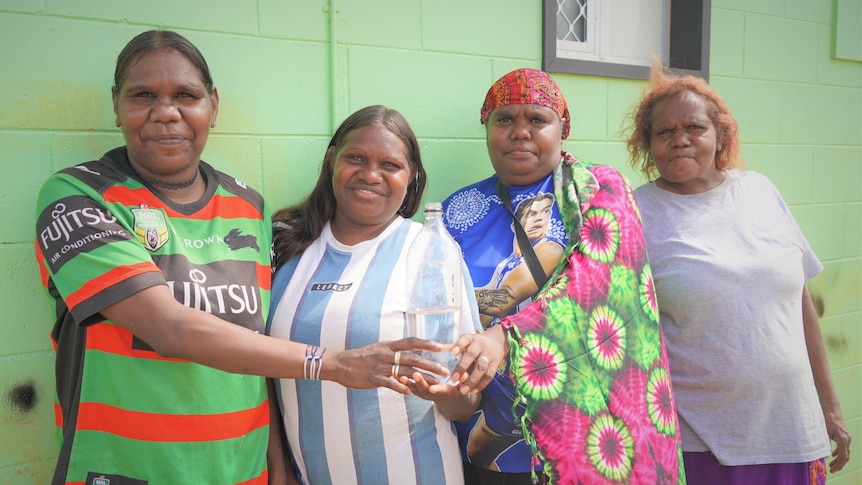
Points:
[[663, 86]]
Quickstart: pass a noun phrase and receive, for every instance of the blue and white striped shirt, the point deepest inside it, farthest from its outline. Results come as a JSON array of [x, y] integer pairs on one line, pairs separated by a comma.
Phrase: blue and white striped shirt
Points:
[[343, 297]]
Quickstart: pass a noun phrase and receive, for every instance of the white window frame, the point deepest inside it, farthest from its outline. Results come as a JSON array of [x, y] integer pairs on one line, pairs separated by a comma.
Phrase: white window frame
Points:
[[683, 37]]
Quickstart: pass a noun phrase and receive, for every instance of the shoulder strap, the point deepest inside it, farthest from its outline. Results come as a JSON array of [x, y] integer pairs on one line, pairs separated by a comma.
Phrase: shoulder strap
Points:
[[539, 275]]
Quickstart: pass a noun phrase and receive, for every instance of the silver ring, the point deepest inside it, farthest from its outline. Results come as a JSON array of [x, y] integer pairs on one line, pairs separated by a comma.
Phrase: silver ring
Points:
[[484, 357], [395, 370], [397, 357]]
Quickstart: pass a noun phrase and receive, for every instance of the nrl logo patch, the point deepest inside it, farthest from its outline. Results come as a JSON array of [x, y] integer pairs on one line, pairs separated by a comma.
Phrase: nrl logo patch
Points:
[[151, 228]]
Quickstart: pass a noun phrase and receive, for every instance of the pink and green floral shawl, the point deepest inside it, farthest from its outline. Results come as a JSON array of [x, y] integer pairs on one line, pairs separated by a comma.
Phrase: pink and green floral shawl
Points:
[[587, 356]]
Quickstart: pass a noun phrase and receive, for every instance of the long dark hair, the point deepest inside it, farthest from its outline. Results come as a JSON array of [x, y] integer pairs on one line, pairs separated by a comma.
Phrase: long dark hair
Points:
[[157, 40], [297, 226]]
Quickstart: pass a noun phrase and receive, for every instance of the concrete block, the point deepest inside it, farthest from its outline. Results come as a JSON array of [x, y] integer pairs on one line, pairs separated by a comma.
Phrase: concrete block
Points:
[[588, 98], [820, 115], [71, 149], [837, 174], [27, 409], [809, 11], [23, 6], [847, 383], [831, 70], [851, 474], [623, 96], [306, 20], [848, 38], [465, 27], [291, 166], [383, 23], [822, 226], [238, 156], [780, 49], [420, 85], [239, 16], [852, 332], [838, 287], [727, 43], [270, 86], [453, 164], [756, 105], [27, 309], [56, 83], [26, 160], [853, 230], [29, 473], [768, 7], [606, 153]]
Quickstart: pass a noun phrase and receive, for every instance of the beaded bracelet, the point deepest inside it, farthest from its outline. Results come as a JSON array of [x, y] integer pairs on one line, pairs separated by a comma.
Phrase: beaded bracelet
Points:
[[313, 362]]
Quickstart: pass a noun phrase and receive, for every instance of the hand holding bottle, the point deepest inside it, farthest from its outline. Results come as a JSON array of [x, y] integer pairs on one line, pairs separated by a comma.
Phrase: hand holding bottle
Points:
[[434, 286]]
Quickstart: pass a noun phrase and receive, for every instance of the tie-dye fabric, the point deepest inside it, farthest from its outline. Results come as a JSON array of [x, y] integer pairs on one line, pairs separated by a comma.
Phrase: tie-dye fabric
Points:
[[588, 357]]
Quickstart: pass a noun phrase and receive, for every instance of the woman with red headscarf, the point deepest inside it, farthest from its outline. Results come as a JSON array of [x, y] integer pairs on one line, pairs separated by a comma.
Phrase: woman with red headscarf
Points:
[[585, 395]]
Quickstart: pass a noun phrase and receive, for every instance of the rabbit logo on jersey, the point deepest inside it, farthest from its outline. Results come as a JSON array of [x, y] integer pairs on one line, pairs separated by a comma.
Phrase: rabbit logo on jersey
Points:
[[151, 229]]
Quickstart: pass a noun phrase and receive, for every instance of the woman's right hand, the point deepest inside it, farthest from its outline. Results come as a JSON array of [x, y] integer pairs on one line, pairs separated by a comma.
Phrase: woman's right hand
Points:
[[375, 365], [453, 405]]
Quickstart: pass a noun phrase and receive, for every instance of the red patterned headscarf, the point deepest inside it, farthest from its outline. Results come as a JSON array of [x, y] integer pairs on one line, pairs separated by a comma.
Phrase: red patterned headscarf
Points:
[[527, 86]]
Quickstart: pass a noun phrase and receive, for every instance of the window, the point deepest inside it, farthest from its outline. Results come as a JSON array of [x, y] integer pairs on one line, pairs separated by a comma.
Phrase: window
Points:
[[619, 38]]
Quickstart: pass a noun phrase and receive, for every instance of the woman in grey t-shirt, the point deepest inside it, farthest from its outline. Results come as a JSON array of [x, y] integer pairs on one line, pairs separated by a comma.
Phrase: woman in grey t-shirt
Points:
[[753, 389]]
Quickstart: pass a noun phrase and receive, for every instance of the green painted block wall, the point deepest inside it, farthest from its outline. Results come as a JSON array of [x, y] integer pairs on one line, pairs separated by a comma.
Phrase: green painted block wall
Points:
[[289, 71]]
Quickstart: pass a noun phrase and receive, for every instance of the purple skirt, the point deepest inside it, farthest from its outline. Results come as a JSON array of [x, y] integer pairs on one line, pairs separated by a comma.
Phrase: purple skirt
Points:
[[702, 468]]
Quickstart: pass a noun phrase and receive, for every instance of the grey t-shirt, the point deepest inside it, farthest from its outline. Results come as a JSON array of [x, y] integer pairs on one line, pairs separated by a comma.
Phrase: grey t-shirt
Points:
[[729, 267]]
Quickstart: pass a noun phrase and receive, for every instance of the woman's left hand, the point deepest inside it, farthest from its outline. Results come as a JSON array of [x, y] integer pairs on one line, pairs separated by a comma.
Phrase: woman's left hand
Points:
[[838, 433]]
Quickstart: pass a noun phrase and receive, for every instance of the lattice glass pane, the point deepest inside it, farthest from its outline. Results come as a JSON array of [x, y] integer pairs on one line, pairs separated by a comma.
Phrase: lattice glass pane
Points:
[[572, 20]]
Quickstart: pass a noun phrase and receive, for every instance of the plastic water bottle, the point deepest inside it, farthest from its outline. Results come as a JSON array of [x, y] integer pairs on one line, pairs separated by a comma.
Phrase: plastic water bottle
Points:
[[434, 285]]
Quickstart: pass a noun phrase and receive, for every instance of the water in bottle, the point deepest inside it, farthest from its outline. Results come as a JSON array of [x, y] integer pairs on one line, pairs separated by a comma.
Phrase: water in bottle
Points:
[[434, 285]]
